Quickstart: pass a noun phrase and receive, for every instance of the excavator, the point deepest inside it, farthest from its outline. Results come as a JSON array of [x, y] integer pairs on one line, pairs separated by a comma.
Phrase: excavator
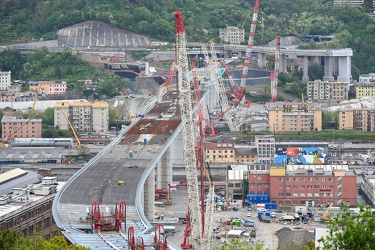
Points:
[[324, 218]]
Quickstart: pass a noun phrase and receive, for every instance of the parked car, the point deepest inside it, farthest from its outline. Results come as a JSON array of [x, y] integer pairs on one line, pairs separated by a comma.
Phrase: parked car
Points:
[[249, 215], [273, 215]]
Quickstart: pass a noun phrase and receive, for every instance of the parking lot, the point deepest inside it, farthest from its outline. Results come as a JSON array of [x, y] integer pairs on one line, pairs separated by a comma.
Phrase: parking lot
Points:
[[265, 232]]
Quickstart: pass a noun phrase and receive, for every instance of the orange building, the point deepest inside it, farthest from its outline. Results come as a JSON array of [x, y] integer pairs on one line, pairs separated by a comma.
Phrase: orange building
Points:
[[10, 124]]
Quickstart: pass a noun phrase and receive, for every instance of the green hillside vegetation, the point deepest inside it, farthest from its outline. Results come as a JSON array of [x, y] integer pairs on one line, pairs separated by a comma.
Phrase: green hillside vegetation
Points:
[[39, 19]]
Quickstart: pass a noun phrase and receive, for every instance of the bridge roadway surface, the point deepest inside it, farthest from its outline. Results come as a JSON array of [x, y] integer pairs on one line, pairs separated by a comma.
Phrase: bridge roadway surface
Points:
[[98, 179]]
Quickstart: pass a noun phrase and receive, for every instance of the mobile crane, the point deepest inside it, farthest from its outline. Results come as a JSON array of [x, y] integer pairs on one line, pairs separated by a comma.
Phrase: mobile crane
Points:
[[73, 130], [324, 218], [36, 96]]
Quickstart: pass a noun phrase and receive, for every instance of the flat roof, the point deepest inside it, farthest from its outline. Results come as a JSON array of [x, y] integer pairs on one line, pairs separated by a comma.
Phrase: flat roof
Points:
[[11, 174]]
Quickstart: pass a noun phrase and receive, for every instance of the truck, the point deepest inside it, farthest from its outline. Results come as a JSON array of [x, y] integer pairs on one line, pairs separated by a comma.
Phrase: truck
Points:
[[265, 218]]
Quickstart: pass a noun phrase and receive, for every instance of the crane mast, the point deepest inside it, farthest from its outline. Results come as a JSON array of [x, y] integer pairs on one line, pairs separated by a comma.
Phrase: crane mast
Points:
[[275, 73], [185, 101]]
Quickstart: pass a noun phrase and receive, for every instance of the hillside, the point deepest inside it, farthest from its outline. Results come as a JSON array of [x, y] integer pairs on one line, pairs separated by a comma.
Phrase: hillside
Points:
[[40, 19]]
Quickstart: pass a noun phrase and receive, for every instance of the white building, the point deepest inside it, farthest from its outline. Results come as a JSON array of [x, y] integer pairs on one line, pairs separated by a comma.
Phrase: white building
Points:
[[233, 35], [358, 3], [367, 78], [5, 80]]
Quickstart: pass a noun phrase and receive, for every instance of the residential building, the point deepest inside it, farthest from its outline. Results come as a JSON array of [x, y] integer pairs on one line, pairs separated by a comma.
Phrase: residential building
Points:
[[30, 214], [354, 119], [294, 117], [358, 3], [84, 116], [219, 152], [5, 80], [26, 128], [48, 87], [246, 154], [324, 90], [233, 35], [362, 90], [367, 78], [265, 145], [368, 187], [319, 184]]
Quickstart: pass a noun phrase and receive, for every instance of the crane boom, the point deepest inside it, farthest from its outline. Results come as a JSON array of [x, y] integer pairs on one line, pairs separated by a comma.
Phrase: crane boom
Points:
[[250, 44], [219, 84], [185, 102], [275, 73], [127, 108], [72, 128], [36, 95]]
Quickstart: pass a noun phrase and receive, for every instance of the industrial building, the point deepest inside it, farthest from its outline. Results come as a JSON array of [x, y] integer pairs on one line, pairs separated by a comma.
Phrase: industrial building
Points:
[[13, 126], [294, 117], [84, 116], [28, 210]]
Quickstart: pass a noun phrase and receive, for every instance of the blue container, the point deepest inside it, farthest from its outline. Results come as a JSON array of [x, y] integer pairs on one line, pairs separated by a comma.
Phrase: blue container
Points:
[[268, 213], [161, 217], [171, 131], [144, 140], [131, 153], [142, 115]]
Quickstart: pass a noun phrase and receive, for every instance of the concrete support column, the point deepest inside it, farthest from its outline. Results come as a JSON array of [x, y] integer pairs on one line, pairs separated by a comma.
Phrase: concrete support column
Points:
[[158, 170], [176, 153], [328, 73], [345, 69], [305, 76], [262, 61], [282, 66], [149, 196]]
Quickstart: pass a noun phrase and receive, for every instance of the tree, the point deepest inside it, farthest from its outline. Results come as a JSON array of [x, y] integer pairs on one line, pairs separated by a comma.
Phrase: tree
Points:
[[48, 116], [235, 244], [12, 240], [351, 231]]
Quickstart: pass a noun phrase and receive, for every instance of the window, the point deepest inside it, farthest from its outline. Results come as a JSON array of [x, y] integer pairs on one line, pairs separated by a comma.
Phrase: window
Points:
[[295, 194], [287, 179], [295, 179], [288, 194], [309, 186], [287, 186], [309, 194], [281, 178], [316, 186], [295, 186], [310, 179], [281, 194], [302, 194], [316, 179], [259, 185], [302, 186], [281, 187], [259, 177], [316, 194]]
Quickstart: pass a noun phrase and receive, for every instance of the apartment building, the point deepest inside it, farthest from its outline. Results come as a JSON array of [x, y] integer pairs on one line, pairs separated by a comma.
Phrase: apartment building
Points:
[[84, 116], [220, 152], [324, 90], [320, 185], [233, 35], [265, 145], [5, 80], [362, 90], [48, 87], [355, 119], [246, 154], [294, 117], [367, 78], [26, 128]]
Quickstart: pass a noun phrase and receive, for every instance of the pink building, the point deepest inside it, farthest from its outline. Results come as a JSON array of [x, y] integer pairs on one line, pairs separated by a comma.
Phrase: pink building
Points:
[[10, 124], [48, 88]]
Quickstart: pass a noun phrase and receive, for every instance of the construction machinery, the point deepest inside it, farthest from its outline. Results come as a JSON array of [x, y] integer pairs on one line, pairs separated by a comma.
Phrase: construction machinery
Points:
[[160, 240], [188, 131], [324, 218], [127, 108], [132, 242], [275, 72], [110, 220], [2, 143], [186, 243], [73, 130], [169, 200]]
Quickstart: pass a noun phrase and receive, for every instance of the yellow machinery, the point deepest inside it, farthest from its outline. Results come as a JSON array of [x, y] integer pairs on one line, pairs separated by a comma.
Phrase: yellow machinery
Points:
[[72, 128], [169, 200], [15, 131], [324, 217], [127, 108]]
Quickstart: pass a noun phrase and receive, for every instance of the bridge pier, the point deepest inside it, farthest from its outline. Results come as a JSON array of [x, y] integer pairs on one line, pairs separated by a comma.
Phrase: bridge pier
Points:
[[149, 196], [262, 60], [328, 72], [345, 65], [305, 76], [283, 64]]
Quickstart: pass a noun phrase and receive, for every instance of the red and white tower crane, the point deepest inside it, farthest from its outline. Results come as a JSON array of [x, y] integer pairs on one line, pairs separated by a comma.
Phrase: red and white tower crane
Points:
[[275, 72], [185, 102]]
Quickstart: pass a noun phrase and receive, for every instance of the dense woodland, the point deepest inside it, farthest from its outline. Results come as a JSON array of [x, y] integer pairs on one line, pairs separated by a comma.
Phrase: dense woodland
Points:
[[39, 19]]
